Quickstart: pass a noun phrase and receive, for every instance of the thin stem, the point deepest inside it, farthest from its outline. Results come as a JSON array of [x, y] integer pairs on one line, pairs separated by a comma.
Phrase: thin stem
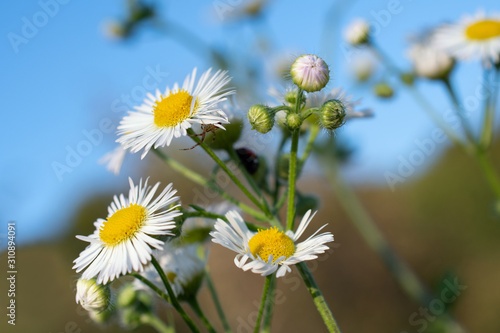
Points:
[[277, 186], [269, 307], [218, 306], [489, 172], [199, 179], [197, 309], [366, 226], [213, 216], [309, 145], [292, 174], [262, 303], [489, 112], [224, 167], [173, 299], [318, 298], [151, 285], [156, 323], [459, 110]]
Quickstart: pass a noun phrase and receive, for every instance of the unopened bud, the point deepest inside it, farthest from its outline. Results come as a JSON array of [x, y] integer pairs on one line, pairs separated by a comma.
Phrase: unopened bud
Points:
[[383, 90], [310, 73], [293, 121], [261, 118], [332, 114], [92, 296]]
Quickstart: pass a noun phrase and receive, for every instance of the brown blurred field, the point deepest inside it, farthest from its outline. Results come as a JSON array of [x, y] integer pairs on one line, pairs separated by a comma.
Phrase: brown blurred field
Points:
[[441, 222]]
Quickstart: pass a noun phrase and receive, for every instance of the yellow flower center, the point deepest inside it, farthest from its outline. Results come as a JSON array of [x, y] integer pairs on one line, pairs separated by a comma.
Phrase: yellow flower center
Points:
[[483, 30], [171, 276], [271, 241], [173, 109], [123, 224]]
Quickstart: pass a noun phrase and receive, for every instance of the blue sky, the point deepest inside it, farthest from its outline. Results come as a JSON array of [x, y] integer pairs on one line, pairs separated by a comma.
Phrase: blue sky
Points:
[[68, 76]]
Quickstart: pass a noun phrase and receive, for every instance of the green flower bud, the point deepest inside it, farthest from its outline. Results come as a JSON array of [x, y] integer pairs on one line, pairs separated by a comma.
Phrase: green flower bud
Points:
[[261, 118], [291, 97], [408, 78], [130, 319], [92, 296], [127, 296], [383, 90], [293, 121], [224, 139], [305, 203], [310, 73], [332, 114]]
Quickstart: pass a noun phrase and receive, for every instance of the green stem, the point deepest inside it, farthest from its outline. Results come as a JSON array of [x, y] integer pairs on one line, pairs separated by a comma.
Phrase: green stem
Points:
[[292, 175], [199, 179], [173, 299], [371, 234], [152, 286], [426, 106], [309, 145], [262, 303], [269, 307], [277, 186], [213, 216], [459, 110], [224, 167], [156, 323], [489, 113], [489, 172], [197, 309], [218, 306], [318, 298]]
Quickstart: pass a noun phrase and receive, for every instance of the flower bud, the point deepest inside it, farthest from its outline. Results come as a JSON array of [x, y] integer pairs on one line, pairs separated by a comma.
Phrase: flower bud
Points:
[[310, 73], [293, 121], [357, 33], [261, 118], [126, 297], [383, 90], [332, 114], [92, 296], [225, 139], [407, 78]]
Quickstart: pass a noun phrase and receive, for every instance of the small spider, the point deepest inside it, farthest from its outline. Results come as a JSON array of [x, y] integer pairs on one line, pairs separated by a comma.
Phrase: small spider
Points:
[[205, 129]]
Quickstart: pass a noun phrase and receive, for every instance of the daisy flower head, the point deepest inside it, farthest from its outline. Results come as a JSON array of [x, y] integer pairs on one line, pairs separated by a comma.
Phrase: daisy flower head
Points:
[[122, 243], [269, 250], [164, 116], [183, 268], [473, 37], [357, 32], [430, 62]]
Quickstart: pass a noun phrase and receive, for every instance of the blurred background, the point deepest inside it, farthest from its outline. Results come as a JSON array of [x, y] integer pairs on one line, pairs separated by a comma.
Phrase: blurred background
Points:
[[71, 71]]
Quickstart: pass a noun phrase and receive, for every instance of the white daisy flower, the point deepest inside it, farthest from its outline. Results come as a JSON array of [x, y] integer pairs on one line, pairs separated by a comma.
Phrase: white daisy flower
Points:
[[122, 243], [269, 250], [183, 268], [164, 116], [357, 32], [317, 99], [114, 159], [430, 62], [474, 37], [92, 296]]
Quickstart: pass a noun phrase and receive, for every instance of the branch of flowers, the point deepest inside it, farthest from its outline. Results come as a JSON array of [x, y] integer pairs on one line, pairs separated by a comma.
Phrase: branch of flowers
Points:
[[277, 186], [262, 303], [489, 112], [156, 323], [426, 106], [292, 173], [215, 297], [231, 175], [197, 309], [318, 298], [249, 178], [173, 299], [199, 179], [366, 226], [268, 309], [459, 110]]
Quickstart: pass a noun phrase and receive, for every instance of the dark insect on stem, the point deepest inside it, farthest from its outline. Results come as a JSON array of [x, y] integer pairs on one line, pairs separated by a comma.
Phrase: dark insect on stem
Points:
[[249, 159]]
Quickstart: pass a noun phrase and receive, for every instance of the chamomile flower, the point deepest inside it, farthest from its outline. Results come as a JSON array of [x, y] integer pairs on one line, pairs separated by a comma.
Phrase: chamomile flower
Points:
[[164, 116], [182, 266], [114, 159], [122, 243], [358, 32], [269, 250], [473, 37], [430, 62]]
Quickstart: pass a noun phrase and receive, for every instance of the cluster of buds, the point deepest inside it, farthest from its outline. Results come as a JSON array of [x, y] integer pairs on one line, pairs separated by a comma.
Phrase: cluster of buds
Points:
[[310, 74]]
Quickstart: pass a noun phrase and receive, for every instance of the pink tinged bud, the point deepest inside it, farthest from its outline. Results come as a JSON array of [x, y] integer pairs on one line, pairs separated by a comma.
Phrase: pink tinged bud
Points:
[[310, 73]]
